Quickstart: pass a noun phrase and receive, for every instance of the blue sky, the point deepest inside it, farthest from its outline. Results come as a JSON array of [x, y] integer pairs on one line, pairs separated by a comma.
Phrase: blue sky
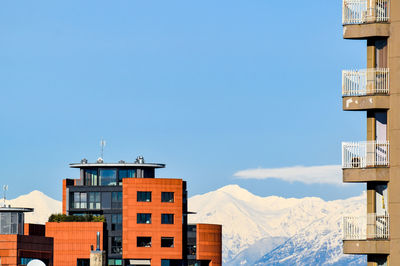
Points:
[[208, 87]]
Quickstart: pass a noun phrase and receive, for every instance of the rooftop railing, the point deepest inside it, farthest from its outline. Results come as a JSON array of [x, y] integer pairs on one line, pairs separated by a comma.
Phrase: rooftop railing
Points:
[[365, 11], [365, 154], [365, 82], [371, 226]]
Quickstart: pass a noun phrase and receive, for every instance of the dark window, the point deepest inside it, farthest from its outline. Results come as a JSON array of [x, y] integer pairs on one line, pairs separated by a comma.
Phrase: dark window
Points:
[[167, 218], [82, 262], [125, 173], [116, 200], [112, 262], [91, 177], [116, 245], [80, 200], [94, 200], [116, 222], [167, 242], [144, 196], [143, 241], [144, 218], [167, 196], [108, 177]]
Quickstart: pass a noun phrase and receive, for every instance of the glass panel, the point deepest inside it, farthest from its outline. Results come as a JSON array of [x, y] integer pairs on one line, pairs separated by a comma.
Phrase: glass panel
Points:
[[144, 218], [167, 242], [116, 245], [144, 196], [117, 200], [126, 173], [91, 177], [108, 177], [167, 218], [143, 241], [167, 196]]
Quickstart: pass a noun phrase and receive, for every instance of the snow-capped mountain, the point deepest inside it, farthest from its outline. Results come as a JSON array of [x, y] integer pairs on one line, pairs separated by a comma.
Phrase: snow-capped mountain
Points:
[[256, 230], [254, 226], [43, 206]]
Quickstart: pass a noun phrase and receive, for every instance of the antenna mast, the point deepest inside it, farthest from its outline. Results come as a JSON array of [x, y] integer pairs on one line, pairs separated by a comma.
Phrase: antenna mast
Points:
[[5, 188], [102, 144]]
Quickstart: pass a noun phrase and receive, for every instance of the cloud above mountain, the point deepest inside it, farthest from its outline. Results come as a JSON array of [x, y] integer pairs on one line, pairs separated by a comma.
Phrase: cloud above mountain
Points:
[[325, 174]]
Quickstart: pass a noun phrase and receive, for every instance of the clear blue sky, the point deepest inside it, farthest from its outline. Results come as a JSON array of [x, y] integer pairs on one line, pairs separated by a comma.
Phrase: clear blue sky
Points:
[[207, 87]]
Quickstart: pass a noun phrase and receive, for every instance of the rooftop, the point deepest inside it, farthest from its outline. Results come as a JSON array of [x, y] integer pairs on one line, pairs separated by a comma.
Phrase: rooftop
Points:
[[138, 163]]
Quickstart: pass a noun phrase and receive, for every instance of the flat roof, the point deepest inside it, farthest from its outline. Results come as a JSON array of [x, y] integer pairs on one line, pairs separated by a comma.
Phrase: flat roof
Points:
[[15, 209], [119, 165]]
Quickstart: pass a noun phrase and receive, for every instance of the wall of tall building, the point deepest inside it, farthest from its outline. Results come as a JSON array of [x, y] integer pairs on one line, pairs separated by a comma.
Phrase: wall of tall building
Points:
[[209, 243]]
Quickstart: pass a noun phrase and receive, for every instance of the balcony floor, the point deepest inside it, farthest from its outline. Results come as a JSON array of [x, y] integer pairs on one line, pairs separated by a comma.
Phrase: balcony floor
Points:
[[367, 30], [360, 103], [359, 175], [366, 246]]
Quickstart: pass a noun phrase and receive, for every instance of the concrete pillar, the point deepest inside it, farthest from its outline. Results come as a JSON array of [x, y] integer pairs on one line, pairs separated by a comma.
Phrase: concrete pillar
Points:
[[98, 258], [371, 10]]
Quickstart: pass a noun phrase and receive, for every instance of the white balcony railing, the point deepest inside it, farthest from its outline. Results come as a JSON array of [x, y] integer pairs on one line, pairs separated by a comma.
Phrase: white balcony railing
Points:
[[371, 226], [365, 11], [365, 154], [365, 82]]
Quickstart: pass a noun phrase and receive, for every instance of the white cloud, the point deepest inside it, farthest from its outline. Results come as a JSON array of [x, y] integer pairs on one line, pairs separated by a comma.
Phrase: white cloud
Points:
[[326, 174]]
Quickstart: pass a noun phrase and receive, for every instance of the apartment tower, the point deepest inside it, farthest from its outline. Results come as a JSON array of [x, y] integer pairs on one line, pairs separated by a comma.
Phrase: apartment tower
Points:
[[376, 160]]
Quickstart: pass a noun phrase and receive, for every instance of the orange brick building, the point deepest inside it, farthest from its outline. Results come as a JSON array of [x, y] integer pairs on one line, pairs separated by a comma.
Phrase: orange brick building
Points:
[[146, 218], [73, 241], [21, 243]]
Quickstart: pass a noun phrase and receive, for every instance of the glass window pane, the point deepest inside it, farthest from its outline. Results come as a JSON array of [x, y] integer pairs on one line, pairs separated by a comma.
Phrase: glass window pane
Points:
[[108, 177], [167, 196]]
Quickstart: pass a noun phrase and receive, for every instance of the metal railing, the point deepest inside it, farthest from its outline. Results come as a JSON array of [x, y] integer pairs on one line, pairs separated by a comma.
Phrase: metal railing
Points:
[[365, 11], [365, 154], [365, 82], [371, 226]]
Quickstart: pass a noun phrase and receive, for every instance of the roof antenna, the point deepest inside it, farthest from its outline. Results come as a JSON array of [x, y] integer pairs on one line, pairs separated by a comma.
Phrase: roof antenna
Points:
[[102, 144], [5, 188]]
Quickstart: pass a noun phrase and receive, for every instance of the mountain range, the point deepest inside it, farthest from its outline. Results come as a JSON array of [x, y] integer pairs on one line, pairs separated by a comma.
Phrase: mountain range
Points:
[[256, 230]]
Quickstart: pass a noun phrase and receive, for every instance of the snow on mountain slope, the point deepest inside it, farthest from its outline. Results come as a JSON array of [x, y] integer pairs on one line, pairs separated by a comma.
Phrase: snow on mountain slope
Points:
[[43, 206], [247, 218]]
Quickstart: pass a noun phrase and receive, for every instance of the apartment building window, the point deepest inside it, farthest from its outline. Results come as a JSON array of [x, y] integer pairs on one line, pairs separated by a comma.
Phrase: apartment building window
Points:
[[91, 177], [144, 218], [116, 245], [112, 262], [144, 196], [167, 242], [116, 222], [167, 218], [143, 241], [82, 262], [108, 177], [94, 200], [116, 200], [125, 173], [80, 200], [167, 196]]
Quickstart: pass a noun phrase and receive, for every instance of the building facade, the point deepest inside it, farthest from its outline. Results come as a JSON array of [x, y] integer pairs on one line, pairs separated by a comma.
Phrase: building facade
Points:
[[376, 160], [21, 243], [145, 218]]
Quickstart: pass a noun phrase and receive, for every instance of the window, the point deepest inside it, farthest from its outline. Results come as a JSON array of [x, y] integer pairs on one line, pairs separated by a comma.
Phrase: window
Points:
[[125, 173], [108, 177], [116, 245], [144, 196], [91, 177], [116, 222], [80, 200], [116, 200], [167, 196], [83, 262], [143, 241], [144, 218], [167, 218], [94, 200], [112, 262], [167, 242]]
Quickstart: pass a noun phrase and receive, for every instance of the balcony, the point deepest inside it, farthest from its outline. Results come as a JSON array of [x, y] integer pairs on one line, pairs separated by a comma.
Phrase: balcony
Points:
[[365, 161], [365, 18], [366, 234], [365, 89], [365, 154]]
